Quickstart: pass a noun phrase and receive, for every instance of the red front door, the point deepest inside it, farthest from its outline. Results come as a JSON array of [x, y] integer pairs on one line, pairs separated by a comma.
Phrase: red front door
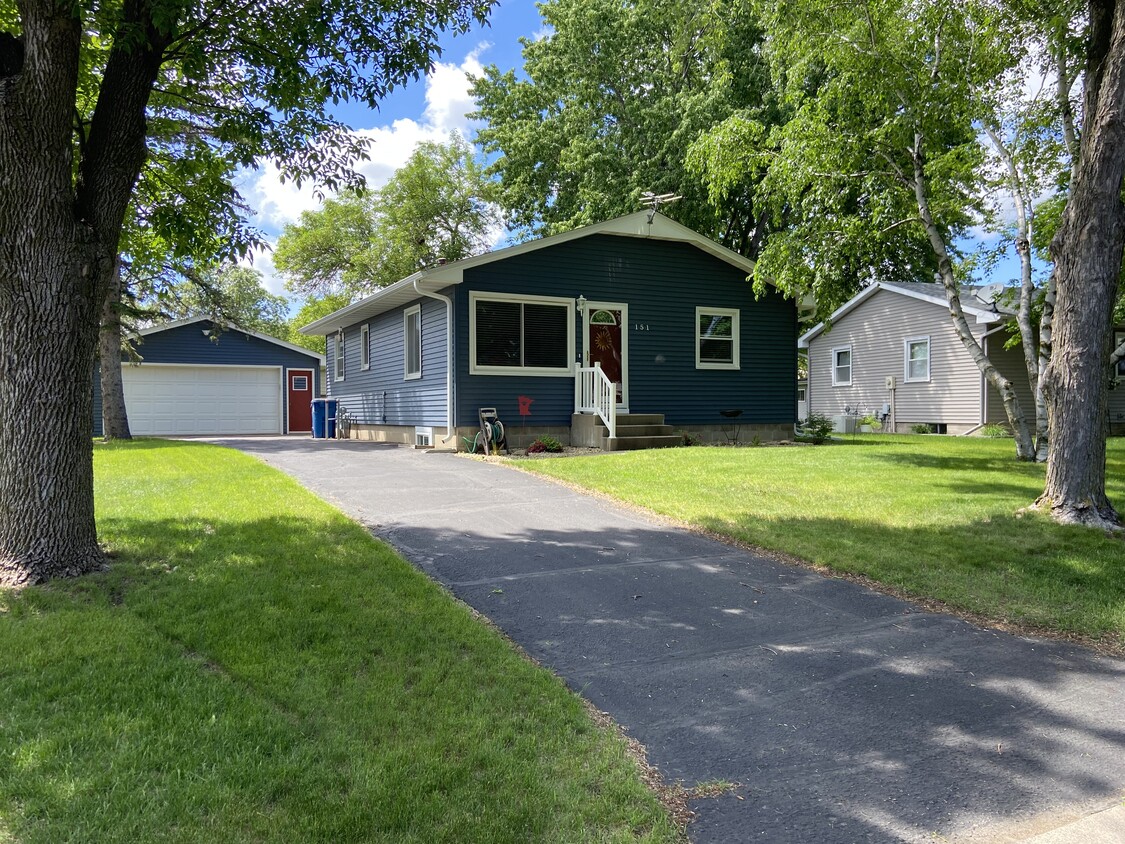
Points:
[[300, 395]]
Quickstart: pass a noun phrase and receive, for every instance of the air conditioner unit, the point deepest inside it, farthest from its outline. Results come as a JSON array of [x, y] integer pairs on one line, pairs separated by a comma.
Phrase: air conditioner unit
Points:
[[423, 437]]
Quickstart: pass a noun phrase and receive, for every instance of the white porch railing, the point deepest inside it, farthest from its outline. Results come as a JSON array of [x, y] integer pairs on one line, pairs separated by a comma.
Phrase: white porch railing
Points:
[[595, 393]]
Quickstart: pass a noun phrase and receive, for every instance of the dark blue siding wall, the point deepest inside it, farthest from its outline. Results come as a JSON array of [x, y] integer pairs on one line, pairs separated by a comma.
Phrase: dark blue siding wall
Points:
[[380, 395], [662, 283], [188, 344]]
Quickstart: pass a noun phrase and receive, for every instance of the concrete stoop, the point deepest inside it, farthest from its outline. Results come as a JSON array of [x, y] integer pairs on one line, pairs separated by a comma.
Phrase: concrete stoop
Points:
[[636, 431]]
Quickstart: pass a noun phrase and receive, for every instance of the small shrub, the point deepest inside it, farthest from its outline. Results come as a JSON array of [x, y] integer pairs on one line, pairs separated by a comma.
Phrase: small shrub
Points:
[[995, 431], [545, 443], [756, 442], [922, 428], [871, 422], [688, 439], [816, 428]]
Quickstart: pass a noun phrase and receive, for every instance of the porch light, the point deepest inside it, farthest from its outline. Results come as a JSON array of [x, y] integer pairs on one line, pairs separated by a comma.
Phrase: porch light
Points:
[[580, 303]]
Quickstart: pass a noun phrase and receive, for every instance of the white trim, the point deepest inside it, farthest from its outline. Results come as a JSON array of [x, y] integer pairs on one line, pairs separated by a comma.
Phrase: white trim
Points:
[[156, 329], [851, 365], [906, 341], [286, 406], [591, 307], [339, 362], [407, 375], [565, 371], [640, 224], [365, 347], [736, 337], [981, 315]]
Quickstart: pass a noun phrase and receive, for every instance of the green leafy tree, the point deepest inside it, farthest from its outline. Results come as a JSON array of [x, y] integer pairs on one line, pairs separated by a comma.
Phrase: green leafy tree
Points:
[[880, 164], [313, 309], [439, 205], [262, 74], [229, 295], [613, 98]]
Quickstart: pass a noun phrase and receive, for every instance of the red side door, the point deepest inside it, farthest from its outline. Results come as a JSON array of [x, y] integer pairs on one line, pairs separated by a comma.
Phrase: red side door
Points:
[[299, 387]]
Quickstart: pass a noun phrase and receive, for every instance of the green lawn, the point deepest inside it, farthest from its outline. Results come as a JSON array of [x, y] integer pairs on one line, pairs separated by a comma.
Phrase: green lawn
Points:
[[932, 517], [255, 667]]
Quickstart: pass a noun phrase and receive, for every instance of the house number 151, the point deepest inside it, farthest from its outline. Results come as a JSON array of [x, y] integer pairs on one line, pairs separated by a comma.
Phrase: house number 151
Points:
[[640, 326]]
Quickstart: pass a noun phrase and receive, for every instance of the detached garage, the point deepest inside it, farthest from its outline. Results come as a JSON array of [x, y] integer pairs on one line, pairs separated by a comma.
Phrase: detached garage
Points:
[[194, 380]]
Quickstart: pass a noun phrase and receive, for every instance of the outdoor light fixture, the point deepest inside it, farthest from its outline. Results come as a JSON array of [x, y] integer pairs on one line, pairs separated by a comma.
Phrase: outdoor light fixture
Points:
[[580, 303]]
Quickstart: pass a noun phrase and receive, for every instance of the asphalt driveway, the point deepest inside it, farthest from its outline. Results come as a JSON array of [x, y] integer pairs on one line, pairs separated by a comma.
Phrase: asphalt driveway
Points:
[[844, 715]]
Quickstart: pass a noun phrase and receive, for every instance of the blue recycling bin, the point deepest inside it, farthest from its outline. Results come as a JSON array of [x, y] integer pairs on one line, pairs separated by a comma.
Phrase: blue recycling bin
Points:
[[324, 418]]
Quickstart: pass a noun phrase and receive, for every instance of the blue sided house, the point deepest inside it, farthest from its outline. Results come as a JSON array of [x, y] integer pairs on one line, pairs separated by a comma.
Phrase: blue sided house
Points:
[[195, 379], [621, 335]]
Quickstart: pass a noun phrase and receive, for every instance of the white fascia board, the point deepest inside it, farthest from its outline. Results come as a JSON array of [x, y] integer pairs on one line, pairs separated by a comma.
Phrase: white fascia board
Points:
[[179, 323]]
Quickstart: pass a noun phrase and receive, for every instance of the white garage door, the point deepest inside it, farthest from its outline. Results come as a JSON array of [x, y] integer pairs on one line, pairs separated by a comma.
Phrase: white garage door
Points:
[[202, 399]]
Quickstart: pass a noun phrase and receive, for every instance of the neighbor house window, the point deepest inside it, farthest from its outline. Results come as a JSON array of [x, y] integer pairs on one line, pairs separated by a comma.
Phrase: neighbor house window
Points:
[[338, 355], [842, 367], [528, 335], [364, 347], [917, 353], [412, 342], [716, 338], [1118, 339]]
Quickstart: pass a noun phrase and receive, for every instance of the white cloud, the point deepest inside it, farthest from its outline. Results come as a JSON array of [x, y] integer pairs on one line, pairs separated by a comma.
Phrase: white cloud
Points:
[[448, 99]]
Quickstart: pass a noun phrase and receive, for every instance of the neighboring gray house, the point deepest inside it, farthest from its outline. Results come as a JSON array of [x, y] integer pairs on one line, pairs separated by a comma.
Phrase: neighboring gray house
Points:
[[621, 334], [893, 345]]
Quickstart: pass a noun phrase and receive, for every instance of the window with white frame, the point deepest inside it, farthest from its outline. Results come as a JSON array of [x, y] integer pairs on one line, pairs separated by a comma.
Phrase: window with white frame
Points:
[[916, 351], [520, 335], [364, 347], [842, 367], [1118, 339], [412, 343], [338, 355], [716, 338]]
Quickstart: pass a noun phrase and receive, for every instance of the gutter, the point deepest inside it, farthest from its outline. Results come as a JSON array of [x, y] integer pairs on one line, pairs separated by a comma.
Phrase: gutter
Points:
[[451, 432]]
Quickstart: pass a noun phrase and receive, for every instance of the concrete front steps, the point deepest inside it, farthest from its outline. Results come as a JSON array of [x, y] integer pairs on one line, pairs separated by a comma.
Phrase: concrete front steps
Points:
[[634, 431]]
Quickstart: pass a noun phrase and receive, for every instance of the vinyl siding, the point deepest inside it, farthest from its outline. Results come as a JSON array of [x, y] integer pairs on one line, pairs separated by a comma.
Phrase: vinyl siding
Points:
[[662, 282], [1011, 365], [380, 395], [875, 330], [186, 344]]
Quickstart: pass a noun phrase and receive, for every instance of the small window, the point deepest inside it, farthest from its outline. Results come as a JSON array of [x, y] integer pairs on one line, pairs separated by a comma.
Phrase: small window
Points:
[[800, 394], [842, 367], [300, 383], [521, 335], [412, 343], [716, 339], [1118, 339], [917, 353], [364, 347], [338, 355]]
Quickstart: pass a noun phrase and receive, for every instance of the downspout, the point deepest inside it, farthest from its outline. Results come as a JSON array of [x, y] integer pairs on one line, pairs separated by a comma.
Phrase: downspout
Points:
[[450, 431]]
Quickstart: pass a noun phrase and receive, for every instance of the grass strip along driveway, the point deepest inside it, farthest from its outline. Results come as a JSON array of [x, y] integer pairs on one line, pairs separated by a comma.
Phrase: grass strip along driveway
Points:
[[932, 518], [255, 667]]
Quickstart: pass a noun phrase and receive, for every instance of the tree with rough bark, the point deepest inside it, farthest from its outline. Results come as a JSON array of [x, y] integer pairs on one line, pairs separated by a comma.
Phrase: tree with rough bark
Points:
[[608, 105], [881, 163], [1087, 251], [438, 206], [265, 72]]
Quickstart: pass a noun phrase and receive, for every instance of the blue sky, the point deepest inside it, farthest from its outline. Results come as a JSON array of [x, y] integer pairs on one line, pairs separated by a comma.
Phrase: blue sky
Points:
[[429, 109]]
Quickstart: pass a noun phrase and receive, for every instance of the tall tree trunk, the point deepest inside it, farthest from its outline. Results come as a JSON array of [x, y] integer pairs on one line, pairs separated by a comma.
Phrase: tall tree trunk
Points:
[[1025, 448], [1087, 251], [1025, 213], [115, 419], [50, 268], [58, 240]]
